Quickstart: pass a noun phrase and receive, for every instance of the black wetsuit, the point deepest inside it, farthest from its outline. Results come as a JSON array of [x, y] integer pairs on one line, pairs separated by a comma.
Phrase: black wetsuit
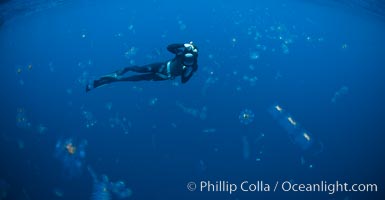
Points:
[[184, 64]]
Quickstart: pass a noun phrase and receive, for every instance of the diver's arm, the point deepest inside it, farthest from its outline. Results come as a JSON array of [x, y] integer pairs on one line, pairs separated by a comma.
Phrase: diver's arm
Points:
[[188, 72], [195, 66], [176, 48]]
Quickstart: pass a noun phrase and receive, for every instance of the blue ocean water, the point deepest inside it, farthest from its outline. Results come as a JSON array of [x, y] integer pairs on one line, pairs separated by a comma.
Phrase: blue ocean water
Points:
[[321, 62]]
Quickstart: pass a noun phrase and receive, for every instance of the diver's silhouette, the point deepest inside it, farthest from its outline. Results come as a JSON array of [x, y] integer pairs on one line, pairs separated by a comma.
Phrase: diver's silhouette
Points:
[[184, 64]]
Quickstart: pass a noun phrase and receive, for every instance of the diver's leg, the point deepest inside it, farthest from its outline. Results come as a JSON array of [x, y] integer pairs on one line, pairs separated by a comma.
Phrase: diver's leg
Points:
[[143, 77], [101, 81], [150, 68]]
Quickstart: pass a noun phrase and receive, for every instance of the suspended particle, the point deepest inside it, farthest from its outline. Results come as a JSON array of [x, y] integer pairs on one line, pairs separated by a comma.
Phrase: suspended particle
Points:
[[246, 116], [120, 190], [89, 119], [137, 89], [152, 101], [285, 48], [119, 34], [182, 26], [278, 75], [100, 191], [209, 130], [252, 80], [41, 129], [254, 55], [173, 125], [4, 189], [58, 192], [200, 167], [131, 52], [108, 106], [120, 122], [21, 119], [131, 27], [103, 188], [20, 144], [203, 113], [69, 91], [338, 94], [72, 155]]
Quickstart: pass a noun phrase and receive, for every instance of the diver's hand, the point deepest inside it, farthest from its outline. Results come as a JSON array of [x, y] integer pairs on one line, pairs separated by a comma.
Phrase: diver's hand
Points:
[[190, 47]]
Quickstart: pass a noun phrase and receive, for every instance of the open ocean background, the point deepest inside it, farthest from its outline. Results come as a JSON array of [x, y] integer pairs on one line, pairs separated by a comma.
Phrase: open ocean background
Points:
[[322, 61]]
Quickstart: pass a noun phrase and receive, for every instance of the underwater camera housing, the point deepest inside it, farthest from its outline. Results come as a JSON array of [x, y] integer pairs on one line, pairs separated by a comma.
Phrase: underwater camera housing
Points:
[[188, 59]]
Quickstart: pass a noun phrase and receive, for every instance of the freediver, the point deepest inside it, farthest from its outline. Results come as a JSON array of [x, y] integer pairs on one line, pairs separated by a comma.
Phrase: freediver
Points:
[[184, 64]]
